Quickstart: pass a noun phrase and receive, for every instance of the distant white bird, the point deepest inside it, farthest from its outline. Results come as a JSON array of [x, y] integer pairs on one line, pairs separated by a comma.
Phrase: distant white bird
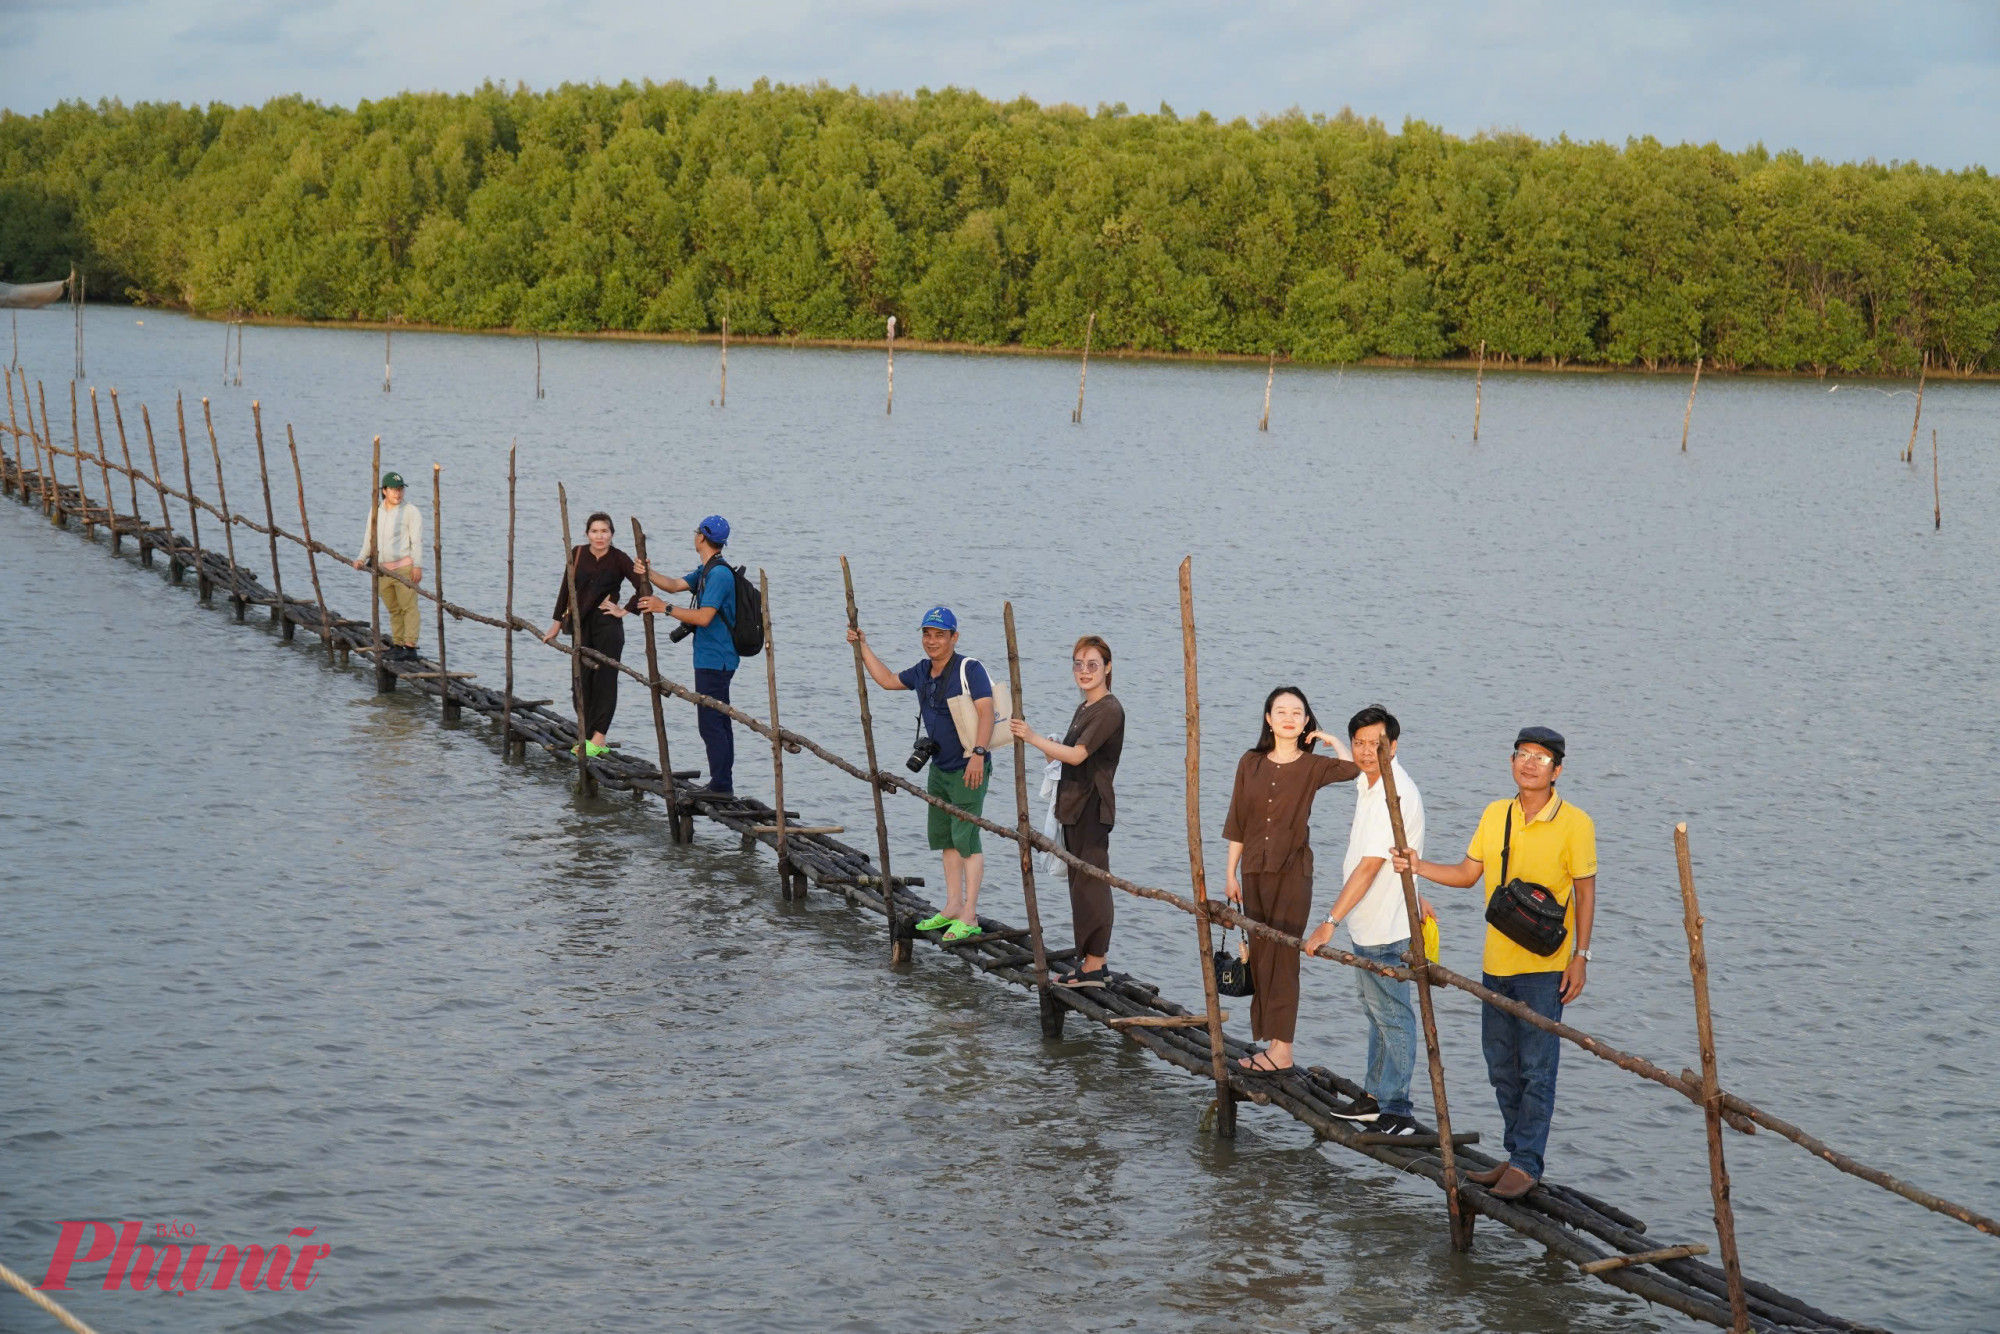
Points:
[[1886, 393]]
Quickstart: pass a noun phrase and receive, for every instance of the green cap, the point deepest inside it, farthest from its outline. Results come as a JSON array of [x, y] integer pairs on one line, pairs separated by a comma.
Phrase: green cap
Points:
[[390, 479]]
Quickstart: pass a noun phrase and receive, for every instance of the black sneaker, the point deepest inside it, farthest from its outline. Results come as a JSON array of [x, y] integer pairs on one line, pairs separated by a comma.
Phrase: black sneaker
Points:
[[1363, 1109], [1392, 1123]]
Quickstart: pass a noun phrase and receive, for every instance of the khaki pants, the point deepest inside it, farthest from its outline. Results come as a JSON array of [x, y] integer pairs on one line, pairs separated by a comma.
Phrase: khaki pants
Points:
[[401, 600]]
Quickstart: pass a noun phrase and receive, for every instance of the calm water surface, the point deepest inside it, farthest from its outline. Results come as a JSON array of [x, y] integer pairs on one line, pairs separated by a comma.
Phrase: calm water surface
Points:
[[282, 953]]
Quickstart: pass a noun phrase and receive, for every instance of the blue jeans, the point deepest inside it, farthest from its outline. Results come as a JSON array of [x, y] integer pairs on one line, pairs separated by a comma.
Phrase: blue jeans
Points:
[[1521, 1064], [1392, 1029], [716, 732]]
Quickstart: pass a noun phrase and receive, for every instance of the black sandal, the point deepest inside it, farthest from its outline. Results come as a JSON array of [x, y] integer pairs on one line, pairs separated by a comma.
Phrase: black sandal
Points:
[[1096, 977]]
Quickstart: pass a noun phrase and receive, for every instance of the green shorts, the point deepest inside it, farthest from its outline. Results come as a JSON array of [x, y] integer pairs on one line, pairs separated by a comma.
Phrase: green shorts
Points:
[[948, 832]]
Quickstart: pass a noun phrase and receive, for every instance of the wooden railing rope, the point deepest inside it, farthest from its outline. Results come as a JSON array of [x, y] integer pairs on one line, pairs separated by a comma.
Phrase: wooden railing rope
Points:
[[21, 1285]]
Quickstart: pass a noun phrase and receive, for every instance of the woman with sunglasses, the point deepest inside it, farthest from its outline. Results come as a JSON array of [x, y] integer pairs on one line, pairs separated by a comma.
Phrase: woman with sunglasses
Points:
[[1085, 803], [1271, 861], [602, 571]]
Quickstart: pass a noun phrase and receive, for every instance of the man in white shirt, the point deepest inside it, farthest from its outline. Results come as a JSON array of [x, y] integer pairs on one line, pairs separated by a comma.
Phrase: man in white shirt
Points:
[[398, 529], [1378, 923]]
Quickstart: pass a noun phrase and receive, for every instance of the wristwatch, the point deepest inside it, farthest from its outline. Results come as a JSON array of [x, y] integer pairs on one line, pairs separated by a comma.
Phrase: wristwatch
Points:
[[981, 752], [1583, 955]]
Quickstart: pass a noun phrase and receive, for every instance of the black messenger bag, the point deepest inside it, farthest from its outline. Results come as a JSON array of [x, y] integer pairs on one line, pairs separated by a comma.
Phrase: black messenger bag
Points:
[[1526, 913]]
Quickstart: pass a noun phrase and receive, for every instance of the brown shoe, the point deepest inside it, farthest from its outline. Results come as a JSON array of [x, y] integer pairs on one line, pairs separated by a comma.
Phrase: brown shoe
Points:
[[1513, 1184], [1487, 1176]]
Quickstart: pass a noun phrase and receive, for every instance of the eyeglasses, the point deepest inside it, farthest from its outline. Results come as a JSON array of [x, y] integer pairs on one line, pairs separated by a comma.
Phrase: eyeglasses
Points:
[[1534, 759], [1086, 665]]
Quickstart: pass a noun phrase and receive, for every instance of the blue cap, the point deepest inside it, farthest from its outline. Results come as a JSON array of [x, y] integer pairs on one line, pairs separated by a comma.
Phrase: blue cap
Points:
[[940, 618], [715, 528], [1546, 737]]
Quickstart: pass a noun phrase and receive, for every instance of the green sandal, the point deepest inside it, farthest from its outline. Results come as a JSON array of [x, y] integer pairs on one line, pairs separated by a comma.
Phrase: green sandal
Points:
[[962, 931], [935, 922], [592, 750]]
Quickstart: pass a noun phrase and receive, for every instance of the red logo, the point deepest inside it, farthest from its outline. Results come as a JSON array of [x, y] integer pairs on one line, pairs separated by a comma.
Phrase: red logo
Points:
[[169, 1269]]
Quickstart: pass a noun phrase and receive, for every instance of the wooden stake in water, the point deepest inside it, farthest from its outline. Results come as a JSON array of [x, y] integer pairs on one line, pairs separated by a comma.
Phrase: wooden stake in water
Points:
[[14, 429], [1711, 1088], [1225, 1101], [76, 453], [225, 350], [1420, 972], [204, 587], [586, 782], [131, 481], [724, 401], [76, 286], [279, 616], [51, 484], [667, 788], [1937, 494], [892, 368], [1083, 373], [1270, 373], [1052, 1010], [175, 569], [1923, 373], [239, 354], [312, 559], [387, 336], [507, 704], [104, 469], [228, 524], [447, 706], [385, 680], [538, 367], [1688, 416], [777, 742], [899, 938], [1478, 390]]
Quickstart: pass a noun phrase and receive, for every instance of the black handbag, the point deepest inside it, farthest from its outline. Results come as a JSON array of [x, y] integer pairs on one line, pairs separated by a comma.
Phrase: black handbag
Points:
[[1526, 913], [1232, 972]]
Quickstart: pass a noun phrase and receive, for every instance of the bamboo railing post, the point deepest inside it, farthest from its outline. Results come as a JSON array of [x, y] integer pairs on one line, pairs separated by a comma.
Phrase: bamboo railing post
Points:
[[104, 471], [792, 881], [228, 524], [51, 487], [586, 782], [448, 707], [1711, 1091], [891, 410], [1083, 373], [280, 615], [1053, 1011], [176, 568], [35, 443], [1923, 373], [1478, 390], [1937, 493], [312, 561], [667, 788], [900, 939], [14, 429], [1461, 1217], [385, 680], [387, 346], [1687, 417], [725, 363], [1270, 373], [131, 483], [1225, 1101], [204, 586], [508, 741], [76, 453]]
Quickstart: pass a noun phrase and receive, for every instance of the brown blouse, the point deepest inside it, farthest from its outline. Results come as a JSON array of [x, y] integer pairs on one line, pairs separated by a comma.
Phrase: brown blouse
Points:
[[1272, 806], [1100, 729]]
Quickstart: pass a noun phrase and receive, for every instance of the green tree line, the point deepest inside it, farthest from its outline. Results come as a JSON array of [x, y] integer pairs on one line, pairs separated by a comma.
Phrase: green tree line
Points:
[[815, 212]]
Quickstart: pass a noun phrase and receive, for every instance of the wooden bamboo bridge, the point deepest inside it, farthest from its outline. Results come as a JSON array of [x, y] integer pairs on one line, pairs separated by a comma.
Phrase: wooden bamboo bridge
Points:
[[1600, 1238]]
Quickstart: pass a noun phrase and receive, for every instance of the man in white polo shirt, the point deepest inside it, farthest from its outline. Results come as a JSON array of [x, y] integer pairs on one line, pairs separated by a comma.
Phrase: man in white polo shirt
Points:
[[1378, 923]]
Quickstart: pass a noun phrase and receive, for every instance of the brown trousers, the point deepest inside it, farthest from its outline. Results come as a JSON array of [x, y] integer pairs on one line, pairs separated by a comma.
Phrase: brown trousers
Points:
[[1281, 900], [1090, 905]]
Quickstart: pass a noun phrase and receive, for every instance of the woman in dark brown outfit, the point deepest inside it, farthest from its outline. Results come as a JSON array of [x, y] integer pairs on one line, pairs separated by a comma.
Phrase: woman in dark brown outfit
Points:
[[1271, 861], [1085, 805], [601, 571]]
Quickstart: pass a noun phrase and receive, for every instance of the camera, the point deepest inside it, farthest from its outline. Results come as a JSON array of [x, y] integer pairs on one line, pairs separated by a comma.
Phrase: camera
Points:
[[680, 631], [921, 754]]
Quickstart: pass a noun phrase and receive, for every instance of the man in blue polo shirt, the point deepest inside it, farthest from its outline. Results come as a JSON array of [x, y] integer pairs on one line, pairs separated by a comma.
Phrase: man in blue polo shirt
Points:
[[715, 659], [956, 776]]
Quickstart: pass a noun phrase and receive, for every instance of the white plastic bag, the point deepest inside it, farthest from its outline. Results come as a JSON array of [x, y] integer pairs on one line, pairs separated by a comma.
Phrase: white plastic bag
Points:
[[1047, 863]]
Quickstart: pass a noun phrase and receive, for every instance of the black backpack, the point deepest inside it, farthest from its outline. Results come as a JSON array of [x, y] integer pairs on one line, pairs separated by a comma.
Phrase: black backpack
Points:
[[747, 630]]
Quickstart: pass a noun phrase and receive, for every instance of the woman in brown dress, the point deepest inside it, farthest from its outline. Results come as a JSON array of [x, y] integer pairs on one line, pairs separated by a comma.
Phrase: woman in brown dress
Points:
[[1271, 861], [1085, 807]]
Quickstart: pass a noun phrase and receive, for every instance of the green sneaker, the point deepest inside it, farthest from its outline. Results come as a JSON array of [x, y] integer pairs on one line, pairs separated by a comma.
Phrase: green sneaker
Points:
[[593, 750], [935, 922], [962, 931]]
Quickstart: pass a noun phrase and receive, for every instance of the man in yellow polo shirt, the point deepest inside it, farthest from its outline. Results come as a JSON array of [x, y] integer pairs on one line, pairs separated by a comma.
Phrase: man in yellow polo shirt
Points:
[[1539, 838]]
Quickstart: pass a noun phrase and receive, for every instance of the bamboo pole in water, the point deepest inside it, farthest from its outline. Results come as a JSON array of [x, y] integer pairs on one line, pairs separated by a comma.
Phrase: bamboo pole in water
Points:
[[1083, 373], [447, 706], [239, 354], [104, 470], [1225, 1101], [385, 680], [14, 428], [176, 569], [1461, 1217], [51, 489], [1052, 1011], [586, 782], [1923, 373], [132, 483], [204, 587], [785, 872], [538, 367], [225, 350], [1937, 493], [507, 741], [76, 453], [725, 362], [312, 561], [42, 470], [228, 524], [1711, 1089], [1687, 417], [667, 788], [891, 409], [1478, 390], [899, 939], [1270, 373], [279, 616], [387, 346]]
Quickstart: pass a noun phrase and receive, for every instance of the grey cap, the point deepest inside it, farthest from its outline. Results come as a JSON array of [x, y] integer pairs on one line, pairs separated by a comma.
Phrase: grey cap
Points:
[[1546, 737]]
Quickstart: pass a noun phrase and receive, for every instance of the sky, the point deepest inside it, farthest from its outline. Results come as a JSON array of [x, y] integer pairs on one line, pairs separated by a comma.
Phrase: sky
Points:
[[1836, 79]]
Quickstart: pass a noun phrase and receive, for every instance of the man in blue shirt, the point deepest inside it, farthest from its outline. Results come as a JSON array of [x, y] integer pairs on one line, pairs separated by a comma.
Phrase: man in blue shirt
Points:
[[715, 659], [956, 776]]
